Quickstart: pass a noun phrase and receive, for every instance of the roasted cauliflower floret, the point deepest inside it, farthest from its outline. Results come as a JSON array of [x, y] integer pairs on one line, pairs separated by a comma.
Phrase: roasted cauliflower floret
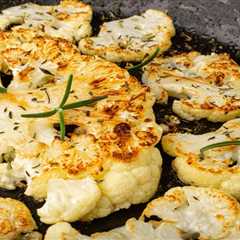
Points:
[[206, 86], [35, 60], [116, 153], [112, 141], [63, 231], [133, 229], [218, 167], [69, 20], [69, 200], [182, 213], [21, 142], [114, 188], [16, 220], [131, 39], [196, 212]]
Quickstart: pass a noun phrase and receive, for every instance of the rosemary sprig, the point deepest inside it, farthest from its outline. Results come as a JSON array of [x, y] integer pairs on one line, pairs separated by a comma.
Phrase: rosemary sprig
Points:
[[63, 106], [147, 60], [216, 145]]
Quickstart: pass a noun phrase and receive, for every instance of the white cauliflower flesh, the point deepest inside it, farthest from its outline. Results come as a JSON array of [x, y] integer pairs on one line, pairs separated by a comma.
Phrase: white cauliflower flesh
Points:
[[182, 213], [69, 20], [206, 86], [131, 39], [19, 150], [197, 213], [69, 200], [132, 230], [16, 221], [21, 143], [218, 167], [112, 141], [15, 172], [63, 231], [86, 199]]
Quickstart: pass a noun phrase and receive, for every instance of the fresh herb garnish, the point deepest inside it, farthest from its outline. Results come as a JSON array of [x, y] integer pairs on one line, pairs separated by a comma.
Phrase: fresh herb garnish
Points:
[[147, 60], [63, 106], [216, 145]]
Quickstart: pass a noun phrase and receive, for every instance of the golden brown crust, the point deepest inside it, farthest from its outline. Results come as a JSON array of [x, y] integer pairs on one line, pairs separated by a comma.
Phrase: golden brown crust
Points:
[[15, 218], [21, 46]]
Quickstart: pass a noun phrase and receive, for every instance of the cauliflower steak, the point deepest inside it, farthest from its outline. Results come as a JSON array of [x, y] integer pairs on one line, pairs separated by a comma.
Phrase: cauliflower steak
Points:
[[218, 167], [131, 39], [206, 86], [69, 20], [111, 143]]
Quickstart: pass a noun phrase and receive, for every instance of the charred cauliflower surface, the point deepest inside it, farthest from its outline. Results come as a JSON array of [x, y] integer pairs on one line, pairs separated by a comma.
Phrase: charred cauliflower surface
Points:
[[182, 213], [111, 142], [69, 20], [131, 39], [206, 86], [218, 167]]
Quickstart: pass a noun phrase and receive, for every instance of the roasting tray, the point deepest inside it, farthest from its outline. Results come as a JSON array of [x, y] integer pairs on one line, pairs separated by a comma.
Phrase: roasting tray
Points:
[[205, 26]]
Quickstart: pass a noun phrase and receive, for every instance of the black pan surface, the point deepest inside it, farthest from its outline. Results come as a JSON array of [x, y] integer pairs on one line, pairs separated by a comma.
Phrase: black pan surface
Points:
[[205, 26]]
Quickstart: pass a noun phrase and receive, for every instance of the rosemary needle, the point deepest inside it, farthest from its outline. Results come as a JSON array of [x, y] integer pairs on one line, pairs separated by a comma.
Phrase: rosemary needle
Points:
[[216, 145], [147, 60], [67, 91], [83, 103], [62, 124], [40, 115]]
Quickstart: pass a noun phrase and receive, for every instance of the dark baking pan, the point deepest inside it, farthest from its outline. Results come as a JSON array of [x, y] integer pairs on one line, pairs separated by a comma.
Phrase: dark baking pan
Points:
[[205, 26]]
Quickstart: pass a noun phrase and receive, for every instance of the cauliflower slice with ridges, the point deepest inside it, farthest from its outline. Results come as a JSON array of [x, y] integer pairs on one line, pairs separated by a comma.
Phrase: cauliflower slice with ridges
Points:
[[218, 168], [69, 20], [131, 39], [205, 86]]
